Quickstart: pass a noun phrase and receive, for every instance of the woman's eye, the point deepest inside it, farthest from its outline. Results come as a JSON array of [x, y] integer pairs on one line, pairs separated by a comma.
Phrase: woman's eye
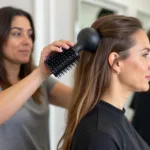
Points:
[[16, 34], [30, 35], [145, 55]]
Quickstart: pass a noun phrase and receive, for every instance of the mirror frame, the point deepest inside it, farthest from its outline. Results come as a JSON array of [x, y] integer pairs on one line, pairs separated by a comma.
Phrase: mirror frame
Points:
[[118, 8]]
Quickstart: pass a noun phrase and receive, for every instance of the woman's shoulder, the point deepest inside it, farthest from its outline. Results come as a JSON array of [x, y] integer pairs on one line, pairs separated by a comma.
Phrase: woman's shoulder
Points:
[[94, 139], [99, 123]]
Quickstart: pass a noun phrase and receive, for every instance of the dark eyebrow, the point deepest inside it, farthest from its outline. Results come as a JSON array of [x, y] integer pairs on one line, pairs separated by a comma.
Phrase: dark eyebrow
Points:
[[18, 28], [146, 48]]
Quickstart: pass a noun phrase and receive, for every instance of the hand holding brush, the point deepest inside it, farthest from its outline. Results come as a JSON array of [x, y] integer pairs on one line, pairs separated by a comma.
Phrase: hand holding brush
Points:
[[88, 39]]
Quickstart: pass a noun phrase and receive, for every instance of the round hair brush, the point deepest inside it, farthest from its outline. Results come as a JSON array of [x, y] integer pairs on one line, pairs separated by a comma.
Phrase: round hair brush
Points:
[[88, 39]]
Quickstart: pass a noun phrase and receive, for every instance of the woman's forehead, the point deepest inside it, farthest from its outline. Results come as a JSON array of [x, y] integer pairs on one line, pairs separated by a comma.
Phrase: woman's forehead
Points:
[[20, 21], [141, 39]]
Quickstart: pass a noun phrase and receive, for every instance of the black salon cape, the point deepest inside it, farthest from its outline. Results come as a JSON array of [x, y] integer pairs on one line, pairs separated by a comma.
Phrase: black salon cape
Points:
[[106, 128], [141, 119]]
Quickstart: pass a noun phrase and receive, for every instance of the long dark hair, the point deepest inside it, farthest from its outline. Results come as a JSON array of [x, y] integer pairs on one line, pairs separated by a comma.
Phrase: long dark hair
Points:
[[93, 72], [7, 15]]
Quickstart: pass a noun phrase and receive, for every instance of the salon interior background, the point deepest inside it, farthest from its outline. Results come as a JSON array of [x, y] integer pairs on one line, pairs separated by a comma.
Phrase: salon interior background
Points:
[[62, 19]]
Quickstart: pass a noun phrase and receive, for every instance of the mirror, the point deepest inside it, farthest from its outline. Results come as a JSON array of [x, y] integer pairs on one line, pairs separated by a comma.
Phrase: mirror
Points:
[[90, 10]]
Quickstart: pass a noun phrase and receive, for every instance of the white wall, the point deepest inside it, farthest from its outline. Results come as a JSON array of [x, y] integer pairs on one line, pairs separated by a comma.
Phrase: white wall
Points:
[[64, 19], [133, 5], [140, 6], [26, 5]]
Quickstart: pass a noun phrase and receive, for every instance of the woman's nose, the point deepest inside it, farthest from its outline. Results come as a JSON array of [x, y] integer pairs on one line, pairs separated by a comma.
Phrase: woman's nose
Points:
[[149, 64], [27, 39]]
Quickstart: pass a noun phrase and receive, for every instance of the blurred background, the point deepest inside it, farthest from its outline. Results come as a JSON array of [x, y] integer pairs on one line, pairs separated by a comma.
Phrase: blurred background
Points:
[[63, 19]]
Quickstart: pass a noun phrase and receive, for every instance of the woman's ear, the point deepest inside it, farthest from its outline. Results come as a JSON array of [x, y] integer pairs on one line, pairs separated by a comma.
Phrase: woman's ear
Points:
[[114, 62]]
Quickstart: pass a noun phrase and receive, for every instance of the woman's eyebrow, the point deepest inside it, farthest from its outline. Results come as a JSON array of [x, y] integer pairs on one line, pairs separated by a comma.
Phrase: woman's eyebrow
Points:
[[19, 28], [146, 48]]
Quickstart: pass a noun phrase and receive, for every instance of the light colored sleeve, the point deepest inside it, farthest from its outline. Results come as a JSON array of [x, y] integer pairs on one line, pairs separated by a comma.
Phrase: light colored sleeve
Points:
[[50, 82]]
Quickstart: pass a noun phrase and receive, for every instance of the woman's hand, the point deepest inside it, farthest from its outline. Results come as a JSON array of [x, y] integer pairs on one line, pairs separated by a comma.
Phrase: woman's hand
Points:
[[54, 47]]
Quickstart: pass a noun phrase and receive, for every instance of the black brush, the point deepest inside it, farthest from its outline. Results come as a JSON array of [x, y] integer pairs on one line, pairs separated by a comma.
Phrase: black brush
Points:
[[88, 39]]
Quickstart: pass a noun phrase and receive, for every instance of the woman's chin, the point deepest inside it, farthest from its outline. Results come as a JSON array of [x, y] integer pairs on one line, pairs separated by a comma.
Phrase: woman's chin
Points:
[[144, 89], [24, 61]]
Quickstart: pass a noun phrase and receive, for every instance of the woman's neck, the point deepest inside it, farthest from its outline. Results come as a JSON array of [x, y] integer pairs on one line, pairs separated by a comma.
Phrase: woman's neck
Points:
[[116, 95], [13, 71]]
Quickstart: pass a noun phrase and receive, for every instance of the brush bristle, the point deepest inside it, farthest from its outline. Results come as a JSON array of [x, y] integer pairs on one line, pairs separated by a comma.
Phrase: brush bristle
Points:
[[59, 63]]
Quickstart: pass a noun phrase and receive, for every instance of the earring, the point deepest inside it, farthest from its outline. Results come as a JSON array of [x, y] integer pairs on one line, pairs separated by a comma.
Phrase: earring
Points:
[[118, 73]]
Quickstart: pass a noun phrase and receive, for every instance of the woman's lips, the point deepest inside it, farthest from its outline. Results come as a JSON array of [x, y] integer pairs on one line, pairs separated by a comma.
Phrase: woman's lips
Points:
[[24, 51], [147, 77]]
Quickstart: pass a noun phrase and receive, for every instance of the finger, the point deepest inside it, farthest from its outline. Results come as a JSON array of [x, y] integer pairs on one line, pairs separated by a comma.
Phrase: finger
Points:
[[64, 44], [48, 50], [69, 43], [61, 44], [51, 48]]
